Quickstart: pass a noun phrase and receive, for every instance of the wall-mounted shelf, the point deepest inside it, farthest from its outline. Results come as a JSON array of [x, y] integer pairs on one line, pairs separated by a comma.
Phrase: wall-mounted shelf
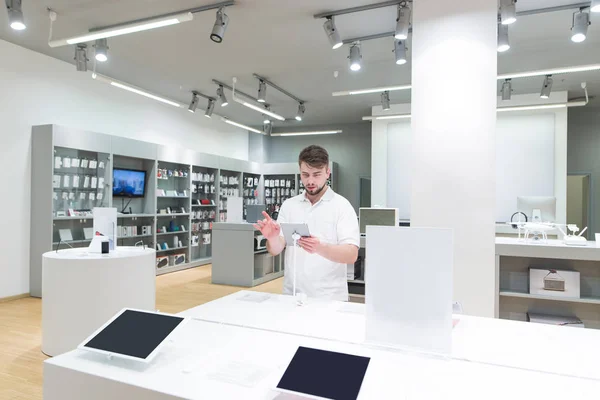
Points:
[[172, 197], [172, 249], [583, 300], [173, 215], [133, 237], [135, 216], [170, 233], [204, 205], [71, 218]]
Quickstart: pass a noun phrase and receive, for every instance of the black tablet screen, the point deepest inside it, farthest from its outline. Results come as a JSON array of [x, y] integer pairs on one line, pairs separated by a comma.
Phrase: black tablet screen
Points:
[[134, 333], [336, 376]]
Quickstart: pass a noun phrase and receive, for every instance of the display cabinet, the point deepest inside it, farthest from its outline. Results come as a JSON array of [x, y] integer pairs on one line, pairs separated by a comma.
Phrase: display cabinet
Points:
[[229, 185], [278, 188], [250, 183], [166, 198], [204, 210]]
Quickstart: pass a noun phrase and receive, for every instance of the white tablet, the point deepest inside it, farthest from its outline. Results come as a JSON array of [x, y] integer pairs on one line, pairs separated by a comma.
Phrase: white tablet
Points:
[[289, 229], [133, 334]]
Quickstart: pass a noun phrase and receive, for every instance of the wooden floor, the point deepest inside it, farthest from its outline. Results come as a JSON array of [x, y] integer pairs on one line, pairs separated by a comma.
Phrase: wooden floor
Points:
[[21, 331]]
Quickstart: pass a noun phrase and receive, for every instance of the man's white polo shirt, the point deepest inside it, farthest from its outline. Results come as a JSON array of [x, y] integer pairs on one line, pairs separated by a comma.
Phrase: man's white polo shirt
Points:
[[333, 220]]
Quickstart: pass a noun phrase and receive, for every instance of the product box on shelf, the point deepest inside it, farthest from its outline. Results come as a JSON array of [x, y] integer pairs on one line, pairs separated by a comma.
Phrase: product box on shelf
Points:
[[554, 282], [162, 261]]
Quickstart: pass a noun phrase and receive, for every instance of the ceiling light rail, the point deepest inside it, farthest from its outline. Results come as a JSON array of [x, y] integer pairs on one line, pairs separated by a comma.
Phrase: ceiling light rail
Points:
[[138, 25], [274, 86], [329, 14]]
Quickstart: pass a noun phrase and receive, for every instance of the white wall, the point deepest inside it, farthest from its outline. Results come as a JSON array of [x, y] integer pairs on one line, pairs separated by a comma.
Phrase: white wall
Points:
[[520, 169], [35, 90]]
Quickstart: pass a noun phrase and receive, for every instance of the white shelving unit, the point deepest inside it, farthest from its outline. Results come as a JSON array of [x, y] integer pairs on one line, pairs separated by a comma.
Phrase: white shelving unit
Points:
[[513, 261], [50, 210]]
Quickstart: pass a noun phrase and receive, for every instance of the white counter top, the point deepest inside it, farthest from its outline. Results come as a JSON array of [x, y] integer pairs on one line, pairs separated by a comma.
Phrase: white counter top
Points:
[[552, 248], [83, 253], [216, 361], [486, 340]]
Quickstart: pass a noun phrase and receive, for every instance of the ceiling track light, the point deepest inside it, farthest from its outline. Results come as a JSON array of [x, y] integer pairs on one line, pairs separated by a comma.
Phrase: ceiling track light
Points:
[[101, 47], [266, 119], [506, 90], [355, 57], [402, 22], [300, 113], [221, 96], [194, 102], [220, 26], [508, 12], [581, 21], [263, 82], [210, 108], [385, 100], [267, 129], [595, 6], [81, 57], [255, 107], [547, 87], [503, 43], [139, 25], [332, 33], [400, 51], [262, 91], [15, 14]]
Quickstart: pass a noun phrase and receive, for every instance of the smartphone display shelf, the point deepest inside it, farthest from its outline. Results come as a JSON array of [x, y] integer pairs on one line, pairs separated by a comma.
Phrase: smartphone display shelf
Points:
[[278, 188], [229, 186], [250, 193]]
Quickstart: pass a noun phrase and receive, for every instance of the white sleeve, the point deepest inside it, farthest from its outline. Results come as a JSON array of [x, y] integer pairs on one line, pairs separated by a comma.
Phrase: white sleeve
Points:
[[347, 226]]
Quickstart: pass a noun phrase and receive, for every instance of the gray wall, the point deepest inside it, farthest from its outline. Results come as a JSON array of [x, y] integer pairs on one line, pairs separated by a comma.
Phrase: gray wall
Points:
[[583, 153], [351, 150]]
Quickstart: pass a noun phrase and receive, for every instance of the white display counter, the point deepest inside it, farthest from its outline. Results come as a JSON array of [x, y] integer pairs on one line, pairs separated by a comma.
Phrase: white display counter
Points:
[[82, 290], [244, 350], [514, 257]]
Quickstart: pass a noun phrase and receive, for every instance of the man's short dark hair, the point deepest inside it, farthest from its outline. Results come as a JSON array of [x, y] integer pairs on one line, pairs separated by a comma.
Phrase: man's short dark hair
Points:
[[315, 156]]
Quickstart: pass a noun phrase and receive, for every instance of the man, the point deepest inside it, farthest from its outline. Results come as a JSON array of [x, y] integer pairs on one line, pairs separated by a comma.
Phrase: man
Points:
[[321, 258]]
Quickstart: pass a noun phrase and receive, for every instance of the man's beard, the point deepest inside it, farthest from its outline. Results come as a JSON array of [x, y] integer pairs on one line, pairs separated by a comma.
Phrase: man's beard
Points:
[[316, 192]]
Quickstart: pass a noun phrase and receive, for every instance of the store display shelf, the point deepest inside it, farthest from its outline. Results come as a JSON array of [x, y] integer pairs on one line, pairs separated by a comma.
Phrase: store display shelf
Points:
[[173, 197], [135, 215], [172, 249], [203, 205], [173, 268], [173, 176], [584, 300], [173, 215], [133, 237], [202, 182], [356, 281], [170, 233], [72, 218], [76, 189]]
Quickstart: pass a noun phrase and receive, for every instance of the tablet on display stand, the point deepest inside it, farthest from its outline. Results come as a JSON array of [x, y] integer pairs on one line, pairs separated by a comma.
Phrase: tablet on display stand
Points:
[[133, 335], [289, 229]]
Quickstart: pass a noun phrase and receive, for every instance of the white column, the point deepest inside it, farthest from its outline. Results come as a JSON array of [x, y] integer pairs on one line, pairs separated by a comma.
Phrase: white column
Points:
[[454, 123]]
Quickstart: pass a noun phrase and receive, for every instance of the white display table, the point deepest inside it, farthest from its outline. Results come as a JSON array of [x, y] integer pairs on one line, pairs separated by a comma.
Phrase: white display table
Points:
[[241, 354], [82, 290]]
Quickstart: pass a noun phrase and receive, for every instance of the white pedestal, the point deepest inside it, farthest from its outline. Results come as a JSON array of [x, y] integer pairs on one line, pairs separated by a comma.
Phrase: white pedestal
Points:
[[82, 290]]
